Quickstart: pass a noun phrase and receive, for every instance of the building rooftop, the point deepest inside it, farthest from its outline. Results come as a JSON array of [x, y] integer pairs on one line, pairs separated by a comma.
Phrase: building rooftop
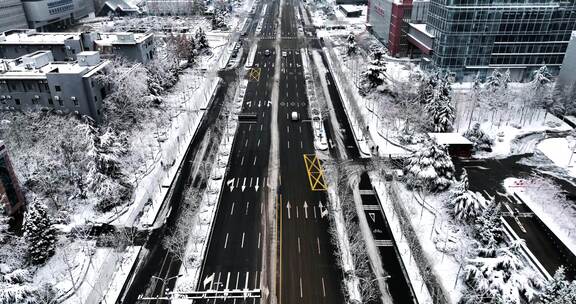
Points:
[[122, 38], [33, 37], [449, 139], [24, 66], [421, 27]]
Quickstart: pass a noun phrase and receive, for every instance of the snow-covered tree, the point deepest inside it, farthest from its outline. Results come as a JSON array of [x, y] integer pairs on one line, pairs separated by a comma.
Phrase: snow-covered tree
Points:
[[377, 56], [430, 168], [488, 227], [183, 47], [559, 290], [500, 277], [480, 140], [374, 76], [441, 113], [219, 19], [201, 41], [39, 233], [351, 44], [498, 81], [463, 203]]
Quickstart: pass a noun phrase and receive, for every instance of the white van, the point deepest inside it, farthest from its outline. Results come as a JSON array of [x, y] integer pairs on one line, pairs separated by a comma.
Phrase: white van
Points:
[[295, 116]]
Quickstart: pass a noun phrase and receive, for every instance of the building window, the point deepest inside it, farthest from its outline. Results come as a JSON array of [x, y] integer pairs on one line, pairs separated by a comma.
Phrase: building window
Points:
[[58, 88], [17, 101]]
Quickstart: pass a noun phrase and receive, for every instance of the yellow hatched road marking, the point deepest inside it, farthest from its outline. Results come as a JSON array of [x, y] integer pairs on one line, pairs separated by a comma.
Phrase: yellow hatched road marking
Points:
[[255, 74], [315, 173]]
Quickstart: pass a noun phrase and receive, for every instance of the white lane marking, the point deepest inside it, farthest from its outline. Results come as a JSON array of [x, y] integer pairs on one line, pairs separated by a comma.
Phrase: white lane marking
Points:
[[318, 242], [314, 208], [227, 281], [261, 127], [246, 144], [298, 244], [323, 288], [242, 245], [258, 142], [301, 145], [300, 127], [247, 277], [247, 206], [301, 295], [287, 117], [288, 207], [226, 241], [263, 114], [254, 163], [288, 144], [218, 282], [259, 235], [287, 129], [249, 127], [261, 207], [242, 162], [296, 211], [232, 210]]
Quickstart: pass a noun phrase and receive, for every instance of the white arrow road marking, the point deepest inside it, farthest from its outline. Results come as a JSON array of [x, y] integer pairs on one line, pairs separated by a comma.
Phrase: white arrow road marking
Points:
[[244, 185], [209, 279], [372, 216], [306, 209], [288, 207], [230, 183], [248, 103], [269, 103], [257, 180]]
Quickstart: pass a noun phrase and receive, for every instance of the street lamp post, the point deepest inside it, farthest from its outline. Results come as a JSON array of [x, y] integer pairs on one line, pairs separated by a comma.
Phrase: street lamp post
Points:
[[164, 281]]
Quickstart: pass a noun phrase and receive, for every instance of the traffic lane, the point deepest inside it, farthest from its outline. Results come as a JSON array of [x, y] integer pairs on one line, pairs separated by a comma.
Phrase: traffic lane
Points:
[[377, 225], [235, 280], [551, 252], [397, 285]]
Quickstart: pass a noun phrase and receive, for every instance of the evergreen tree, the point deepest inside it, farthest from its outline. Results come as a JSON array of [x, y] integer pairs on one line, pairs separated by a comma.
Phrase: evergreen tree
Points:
[[430, 168], [351, 41], [374, 76], [559, 290], [488, 227], [464, 204], [39, 233], [480, 140], [440, 110], [201, 41]]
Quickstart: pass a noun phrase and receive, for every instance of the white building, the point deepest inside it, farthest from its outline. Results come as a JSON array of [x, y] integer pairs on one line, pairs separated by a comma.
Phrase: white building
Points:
[[567, 76], [48, 15]]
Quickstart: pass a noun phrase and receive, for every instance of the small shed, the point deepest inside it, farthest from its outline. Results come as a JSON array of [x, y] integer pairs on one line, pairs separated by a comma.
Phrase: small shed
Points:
[[458, 145]]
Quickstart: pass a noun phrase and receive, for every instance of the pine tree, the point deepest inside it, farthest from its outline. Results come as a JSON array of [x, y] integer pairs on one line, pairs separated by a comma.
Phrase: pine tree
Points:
[[559, 290], [463, 203], [39, 233], [480, 140], [488, 227], [430, 168], [374, 76], [201, 41], [440, 110], [351, 41]]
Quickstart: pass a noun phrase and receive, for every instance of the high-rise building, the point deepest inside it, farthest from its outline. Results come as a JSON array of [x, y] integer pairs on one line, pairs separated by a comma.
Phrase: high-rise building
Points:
[[480, 35], [10, 193], [567, 76], [12, 15]]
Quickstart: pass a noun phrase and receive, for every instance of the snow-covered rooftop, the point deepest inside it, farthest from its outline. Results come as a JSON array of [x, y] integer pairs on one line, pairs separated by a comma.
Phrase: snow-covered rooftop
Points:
[[421, 27], [122, 38], [33, 37], [36, 65], [449, 139]]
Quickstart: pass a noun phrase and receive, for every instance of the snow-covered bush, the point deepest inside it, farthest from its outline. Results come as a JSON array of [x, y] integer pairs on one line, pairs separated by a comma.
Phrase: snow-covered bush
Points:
[[559, 290], [480, 140], [16, 287], [351, 44], [463, 203], [429, 168], [39, 233], [501, 276]]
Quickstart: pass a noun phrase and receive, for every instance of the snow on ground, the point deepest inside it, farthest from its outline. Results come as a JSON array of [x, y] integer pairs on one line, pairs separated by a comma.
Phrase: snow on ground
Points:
[[434, 230], [546, 200], [506, 125], [561, 152]]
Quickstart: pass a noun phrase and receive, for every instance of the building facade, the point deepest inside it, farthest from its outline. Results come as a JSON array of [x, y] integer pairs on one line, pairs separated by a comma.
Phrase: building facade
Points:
[[50, 15], [11, 195], [12, 15], [37, 82], [65, 46], [480, 35], [567, 76]]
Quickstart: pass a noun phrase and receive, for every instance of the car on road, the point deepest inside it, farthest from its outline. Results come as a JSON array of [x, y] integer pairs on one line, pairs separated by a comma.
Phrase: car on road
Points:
[[295, 116], [267, 52], [284, 54]]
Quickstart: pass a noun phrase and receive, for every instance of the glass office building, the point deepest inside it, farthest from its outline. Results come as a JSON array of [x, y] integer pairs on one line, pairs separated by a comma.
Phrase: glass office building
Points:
[[480, 35]]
